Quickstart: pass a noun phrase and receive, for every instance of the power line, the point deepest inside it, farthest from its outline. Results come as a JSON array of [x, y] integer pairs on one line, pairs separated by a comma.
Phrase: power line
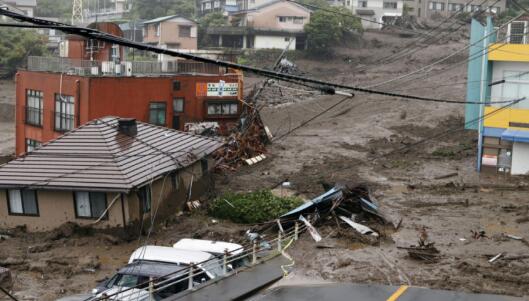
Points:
[[324, 86]]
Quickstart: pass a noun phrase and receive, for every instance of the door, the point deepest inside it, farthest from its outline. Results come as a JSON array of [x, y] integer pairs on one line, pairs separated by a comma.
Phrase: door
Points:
[[176, 122]]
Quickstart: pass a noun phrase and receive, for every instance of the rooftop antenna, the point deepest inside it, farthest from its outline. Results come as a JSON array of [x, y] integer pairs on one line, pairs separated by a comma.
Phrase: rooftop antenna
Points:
[[77, 12]]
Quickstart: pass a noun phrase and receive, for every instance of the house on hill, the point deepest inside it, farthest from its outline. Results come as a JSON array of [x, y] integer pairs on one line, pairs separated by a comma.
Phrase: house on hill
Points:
[[108, 173]]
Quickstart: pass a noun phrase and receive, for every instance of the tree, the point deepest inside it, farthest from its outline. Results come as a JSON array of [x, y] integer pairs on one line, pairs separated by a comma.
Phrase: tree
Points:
[[150, 9], [331, 27], [215, 19], [61, 9], [15, 46]]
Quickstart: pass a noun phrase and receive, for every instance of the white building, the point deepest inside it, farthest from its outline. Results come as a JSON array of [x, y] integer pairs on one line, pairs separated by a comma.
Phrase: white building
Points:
[[374, 12]]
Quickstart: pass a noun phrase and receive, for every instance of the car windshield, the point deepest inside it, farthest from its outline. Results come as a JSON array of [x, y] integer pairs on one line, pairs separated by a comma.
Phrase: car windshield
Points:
[[127, 280]]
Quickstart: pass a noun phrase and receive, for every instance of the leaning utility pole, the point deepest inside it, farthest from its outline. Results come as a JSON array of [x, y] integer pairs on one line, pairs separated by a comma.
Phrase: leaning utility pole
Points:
[[77, 12]]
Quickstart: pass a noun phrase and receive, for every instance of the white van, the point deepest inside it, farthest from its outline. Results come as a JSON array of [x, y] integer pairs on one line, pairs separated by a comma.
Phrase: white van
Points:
[[170, 255], [216, 248]]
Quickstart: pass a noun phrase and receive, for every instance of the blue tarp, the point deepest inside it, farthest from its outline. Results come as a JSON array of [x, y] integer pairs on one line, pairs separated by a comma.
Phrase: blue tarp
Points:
[[516, 135]]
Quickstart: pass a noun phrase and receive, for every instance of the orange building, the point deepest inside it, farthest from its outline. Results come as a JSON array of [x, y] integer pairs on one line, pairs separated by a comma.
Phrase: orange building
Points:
[[56, 94]]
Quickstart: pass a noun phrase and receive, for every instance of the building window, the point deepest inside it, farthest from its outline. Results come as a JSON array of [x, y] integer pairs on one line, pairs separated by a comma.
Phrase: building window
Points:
[[362, 4], [157, 29], [64, 112], [516, 86], [176, 85], [34, 109], [282, 19], [216, 4], [223, 108], [90, 204], [22, 202], [298, 20], [145, 195], [208, 5], [390, 5], [184, 31], [31, 145], [475, 8], [178, 105], [455, 7], [517, 31], [436, 6], [157, 113]]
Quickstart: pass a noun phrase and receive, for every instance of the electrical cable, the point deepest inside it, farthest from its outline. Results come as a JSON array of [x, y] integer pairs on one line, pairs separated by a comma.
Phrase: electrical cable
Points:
[[326, 87]]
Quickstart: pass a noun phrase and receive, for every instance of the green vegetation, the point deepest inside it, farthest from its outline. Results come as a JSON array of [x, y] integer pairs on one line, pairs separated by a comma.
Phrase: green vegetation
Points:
[[328, 29], [61, 9], [150, 9], [15, 46], [215, 19], [252, 207]]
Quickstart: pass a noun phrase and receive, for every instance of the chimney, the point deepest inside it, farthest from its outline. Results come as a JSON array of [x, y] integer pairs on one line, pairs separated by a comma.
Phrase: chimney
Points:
[[127, 126]]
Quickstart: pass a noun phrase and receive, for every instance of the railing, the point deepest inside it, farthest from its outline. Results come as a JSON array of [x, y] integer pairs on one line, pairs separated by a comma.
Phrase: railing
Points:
[[125, 68], [186, 275]]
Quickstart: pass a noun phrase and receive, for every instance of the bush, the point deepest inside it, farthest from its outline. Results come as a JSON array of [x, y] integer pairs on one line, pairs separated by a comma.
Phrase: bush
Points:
[[255, 207], [15, 46]]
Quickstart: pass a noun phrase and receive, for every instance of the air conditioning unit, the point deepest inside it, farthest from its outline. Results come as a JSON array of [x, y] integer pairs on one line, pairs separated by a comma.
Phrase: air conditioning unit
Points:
[[127, 68], [107, 67], [94, 70]]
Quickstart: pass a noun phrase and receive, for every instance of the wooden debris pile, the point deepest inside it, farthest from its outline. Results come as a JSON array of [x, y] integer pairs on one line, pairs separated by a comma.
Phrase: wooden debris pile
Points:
[[247, 142]]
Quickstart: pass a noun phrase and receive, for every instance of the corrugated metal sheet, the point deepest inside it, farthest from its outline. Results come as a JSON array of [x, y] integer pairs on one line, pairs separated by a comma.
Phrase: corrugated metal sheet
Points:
[[96, 156]]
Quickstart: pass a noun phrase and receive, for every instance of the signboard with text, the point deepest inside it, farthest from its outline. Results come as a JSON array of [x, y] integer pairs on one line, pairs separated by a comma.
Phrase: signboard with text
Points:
[[220, 89]]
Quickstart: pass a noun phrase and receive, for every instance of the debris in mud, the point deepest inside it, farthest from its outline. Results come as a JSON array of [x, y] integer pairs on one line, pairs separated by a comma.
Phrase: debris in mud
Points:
[[478, 234], [247, 143], [6, 281], [39, 248], [427, 252]]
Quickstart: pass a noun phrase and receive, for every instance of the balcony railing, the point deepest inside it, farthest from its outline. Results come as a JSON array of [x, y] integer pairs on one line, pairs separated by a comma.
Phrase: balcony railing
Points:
[[125, 68]]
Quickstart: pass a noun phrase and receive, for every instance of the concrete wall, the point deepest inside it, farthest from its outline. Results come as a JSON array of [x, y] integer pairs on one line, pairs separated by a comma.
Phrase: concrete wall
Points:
[[520, 158], [268, 17], [169, 34], [55, 209], [276, 42], [169, 195]]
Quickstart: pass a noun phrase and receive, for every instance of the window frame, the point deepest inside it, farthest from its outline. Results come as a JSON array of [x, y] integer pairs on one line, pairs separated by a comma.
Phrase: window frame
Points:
[[186, 27], [36, 145], [77, 216], [183, 105], [59, 98], [9, 212], [40, 110], [389, 5], [221, 102], [165, 112]]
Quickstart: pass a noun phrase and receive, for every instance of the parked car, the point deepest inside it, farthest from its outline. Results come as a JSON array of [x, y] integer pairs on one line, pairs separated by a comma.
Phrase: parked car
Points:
[[215, 248]]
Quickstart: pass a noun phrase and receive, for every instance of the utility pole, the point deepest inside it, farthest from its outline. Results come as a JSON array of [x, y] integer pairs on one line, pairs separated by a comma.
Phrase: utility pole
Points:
[[77, 12]]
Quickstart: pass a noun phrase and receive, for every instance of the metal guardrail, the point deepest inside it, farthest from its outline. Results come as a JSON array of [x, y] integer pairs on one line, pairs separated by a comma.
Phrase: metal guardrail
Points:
[[125, 68]]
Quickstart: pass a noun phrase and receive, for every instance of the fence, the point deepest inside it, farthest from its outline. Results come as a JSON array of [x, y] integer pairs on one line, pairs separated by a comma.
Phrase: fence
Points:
[[125, 68]]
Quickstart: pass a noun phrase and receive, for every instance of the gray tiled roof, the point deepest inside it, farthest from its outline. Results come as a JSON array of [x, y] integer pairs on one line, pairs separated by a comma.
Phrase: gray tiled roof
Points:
[[96, 156]]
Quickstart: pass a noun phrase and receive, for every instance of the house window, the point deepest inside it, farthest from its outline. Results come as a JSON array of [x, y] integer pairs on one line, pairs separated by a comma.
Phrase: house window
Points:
[[90, 204], [34, 111], [22, 202], [184, 31], [64, 112], [362, 4], [436, 6], [157, 29], [178, 105], [216, 4], [145, 198], [517, 31], [455, 6], [208, 5], [176, 85], [157, 113], [231, 2], [223, 108], [282, 19], [390, 5], [298, 20], [31, 145], [475, 8]]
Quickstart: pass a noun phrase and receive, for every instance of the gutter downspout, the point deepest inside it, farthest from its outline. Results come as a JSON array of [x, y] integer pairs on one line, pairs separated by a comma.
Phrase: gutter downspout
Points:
[[123, 211], [484, 59], [78, 110]]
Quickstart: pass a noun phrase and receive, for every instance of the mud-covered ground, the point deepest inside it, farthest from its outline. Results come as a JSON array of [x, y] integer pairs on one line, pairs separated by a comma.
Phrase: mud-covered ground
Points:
[[370, 139]]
